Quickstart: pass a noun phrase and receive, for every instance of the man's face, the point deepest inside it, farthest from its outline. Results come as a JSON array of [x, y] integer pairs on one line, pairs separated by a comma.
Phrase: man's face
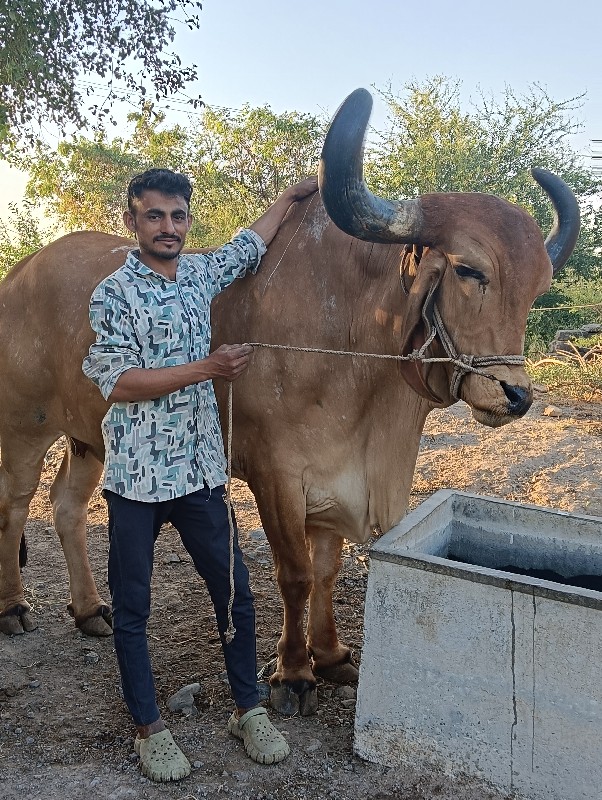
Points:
[[160, 222]]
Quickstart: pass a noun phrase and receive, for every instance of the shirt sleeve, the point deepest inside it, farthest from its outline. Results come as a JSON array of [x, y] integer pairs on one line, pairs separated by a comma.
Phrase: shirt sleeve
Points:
[[240, 255], [116, 348]]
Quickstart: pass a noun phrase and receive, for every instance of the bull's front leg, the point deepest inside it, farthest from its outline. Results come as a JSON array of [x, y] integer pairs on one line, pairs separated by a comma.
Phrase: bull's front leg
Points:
[[293, 685], [331, 660]]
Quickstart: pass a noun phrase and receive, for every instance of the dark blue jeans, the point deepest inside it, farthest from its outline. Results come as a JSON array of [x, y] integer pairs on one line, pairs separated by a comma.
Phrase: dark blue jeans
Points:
[[201, 519]]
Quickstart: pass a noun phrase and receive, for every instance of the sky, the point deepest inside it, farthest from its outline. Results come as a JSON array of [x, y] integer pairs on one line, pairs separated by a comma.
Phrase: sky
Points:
[[308, 56]]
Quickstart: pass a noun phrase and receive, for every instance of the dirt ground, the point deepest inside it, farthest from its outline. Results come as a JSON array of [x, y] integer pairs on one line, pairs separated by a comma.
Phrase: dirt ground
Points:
[[64, 730]]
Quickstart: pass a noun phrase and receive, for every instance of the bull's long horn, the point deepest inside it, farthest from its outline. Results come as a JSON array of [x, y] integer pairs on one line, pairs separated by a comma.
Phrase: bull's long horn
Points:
[[561, 239], [347, 199]]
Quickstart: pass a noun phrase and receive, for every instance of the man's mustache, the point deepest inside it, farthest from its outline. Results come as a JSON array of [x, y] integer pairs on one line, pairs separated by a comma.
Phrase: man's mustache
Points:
[[167, 239]]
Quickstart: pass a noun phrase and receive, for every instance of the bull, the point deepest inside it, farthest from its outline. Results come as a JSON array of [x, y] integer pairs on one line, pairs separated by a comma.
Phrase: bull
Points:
[[435, 293]]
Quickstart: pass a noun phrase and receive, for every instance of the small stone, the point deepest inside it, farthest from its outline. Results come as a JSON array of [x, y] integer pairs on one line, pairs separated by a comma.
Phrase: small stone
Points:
[[30, 740], [197, 764], [91, 657], [551, 411], [257, 535], [172, 558], [34, 684], [348, 703], [122, 792], [314, 745], [345, 692], [184, 697], [539, 387]]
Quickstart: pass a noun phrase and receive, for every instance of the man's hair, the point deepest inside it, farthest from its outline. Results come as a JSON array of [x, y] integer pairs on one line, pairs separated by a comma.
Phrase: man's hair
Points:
[[162, 180]]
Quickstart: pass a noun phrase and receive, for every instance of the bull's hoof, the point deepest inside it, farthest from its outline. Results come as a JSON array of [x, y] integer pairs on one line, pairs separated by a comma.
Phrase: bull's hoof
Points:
[[339, 673], [17, 621], [308, 702], [29, 624], [98, 625], [289, 701]]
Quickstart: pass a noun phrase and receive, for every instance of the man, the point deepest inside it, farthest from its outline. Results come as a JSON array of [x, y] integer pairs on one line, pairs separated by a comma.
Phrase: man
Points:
[[164, 451]]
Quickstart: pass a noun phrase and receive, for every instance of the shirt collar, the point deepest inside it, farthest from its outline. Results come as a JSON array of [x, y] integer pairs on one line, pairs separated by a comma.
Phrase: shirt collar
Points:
[[134, 263]]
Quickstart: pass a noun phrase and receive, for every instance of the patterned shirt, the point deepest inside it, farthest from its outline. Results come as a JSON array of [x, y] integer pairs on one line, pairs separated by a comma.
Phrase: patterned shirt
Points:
[[168, 447]]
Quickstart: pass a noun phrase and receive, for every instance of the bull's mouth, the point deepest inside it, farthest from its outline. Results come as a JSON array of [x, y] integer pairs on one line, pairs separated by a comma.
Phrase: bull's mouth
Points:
[[493, 419], [517, 400]]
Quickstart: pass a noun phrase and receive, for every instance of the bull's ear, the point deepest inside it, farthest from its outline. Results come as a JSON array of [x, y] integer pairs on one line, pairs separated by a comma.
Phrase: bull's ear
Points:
[[410, 259], [429, 266]]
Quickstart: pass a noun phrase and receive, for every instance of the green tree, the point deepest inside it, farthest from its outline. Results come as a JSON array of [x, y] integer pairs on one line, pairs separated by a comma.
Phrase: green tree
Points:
[[432, 145], [244, 159], [20, 236], [47, 48], [83, 182], [238, 161]]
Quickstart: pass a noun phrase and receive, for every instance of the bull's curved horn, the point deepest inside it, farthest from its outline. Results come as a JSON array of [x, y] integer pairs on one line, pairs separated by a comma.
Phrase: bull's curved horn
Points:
[[565, 230], [347, 199]]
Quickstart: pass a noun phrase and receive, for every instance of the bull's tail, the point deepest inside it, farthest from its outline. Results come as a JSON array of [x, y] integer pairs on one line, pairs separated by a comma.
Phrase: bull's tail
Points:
[[22, 552]]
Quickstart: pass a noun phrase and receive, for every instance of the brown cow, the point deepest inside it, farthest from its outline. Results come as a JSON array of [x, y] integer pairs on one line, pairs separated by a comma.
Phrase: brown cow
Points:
[[327, 443]]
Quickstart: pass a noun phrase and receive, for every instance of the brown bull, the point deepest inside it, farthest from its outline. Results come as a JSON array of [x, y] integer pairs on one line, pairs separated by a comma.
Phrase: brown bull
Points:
[[327, 443]]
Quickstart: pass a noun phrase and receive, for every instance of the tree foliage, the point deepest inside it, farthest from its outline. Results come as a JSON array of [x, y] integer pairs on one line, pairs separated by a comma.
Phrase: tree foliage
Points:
[[47, 47], [83, 182], [238, 161], [432, 145], [244, 159], [20, 236]]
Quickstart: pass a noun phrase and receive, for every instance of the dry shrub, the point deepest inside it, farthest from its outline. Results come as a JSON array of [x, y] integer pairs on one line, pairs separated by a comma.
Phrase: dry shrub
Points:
[[571, 373]]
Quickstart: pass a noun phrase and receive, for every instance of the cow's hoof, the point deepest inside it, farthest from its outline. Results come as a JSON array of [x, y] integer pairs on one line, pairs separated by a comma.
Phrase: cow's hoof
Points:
[[284, 700], [98, 625], [308, 702], [289, 701], [17, 622], [339, 673]]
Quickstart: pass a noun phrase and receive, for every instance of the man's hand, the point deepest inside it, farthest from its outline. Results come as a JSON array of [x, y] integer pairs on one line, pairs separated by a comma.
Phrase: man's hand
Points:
[[302, 189], [137, 384], [267, 225], [229, 361]]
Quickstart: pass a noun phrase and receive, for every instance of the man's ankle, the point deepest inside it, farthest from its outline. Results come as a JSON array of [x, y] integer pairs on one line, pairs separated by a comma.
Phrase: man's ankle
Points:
[[144, 731]]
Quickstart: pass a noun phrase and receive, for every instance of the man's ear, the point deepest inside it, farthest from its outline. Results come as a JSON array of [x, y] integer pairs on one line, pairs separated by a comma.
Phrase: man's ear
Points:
[[129, 221]]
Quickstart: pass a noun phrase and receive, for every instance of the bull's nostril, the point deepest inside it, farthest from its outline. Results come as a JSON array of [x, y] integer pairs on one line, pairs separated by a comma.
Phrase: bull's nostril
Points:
[[519, 399]]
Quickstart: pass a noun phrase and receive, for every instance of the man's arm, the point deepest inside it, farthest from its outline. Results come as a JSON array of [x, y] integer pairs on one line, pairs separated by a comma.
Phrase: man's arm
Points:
[[267, 225], [138, 384]]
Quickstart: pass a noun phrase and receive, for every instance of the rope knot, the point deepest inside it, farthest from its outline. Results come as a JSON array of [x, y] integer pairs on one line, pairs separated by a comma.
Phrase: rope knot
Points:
[[464, 359]]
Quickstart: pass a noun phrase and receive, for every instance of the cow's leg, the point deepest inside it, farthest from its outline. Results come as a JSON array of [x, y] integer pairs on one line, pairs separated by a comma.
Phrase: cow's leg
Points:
[[72, 488], [293, 685], [22, 461], [330, 659]]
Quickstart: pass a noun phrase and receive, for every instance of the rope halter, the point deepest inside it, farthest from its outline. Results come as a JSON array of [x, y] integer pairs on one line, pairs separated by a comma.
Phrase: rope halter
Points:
[[463, 364]]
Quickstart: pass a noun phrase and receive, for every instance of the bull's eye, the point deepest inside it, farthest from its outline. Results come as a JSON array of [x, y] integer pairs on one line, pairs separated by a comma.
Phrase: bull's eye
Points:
[[462, 271]]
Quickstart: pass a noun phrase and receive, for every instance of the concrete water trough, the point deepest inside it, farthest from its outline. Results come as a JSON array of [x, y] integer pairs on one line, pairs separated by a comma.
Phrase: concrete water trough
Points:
[[481, 656]]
